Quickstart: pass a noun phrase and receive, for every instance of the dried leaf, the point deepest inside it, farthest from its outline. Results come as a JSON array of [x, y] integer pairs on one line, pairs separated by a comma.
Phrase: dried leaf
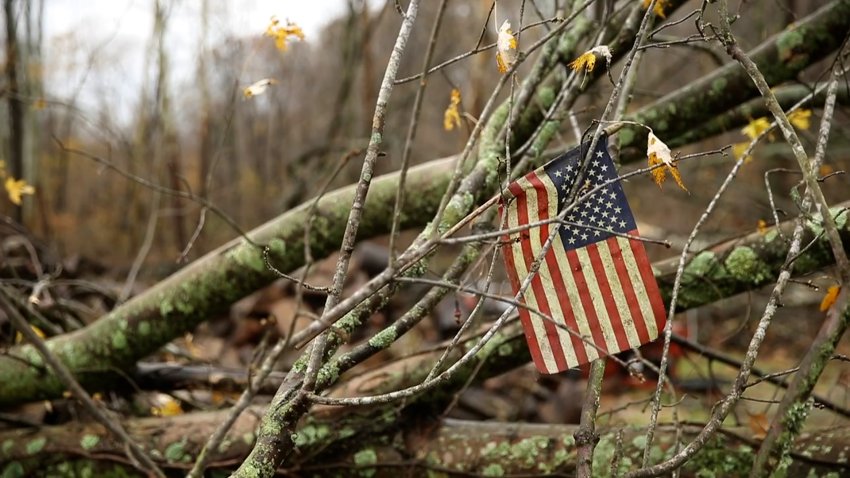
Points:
[[587, 60], [258, 88], [658, 174], [829, 298], [19, 337], [756, 127], [451, 117], [280, 33], [825, 170], [506, 46], [738, 150], [167, 407], [16, 188], [658, 9], [759, 424], [762, 227], [800, 118], [658, 153]]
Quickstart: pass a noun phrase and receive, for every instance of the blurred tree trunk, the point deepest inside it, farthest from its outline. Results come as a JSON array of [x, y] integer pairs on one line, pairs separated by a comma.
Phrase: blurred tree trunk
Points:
[[15, 105]]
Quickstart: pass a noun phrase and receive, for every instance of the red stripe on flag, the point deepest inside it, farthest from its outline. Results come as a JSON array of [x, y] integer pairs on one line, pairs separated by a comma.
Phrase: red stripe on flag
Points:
[[587, 302], [628, 288], [536, 283], [649, 283], [524, 315], [607, 296], [556, 273]]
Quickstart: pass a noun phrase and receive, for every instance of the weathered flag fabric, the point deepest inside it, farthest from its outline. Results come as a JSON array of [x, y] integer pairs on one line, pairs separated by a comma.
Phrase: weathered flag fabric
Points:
[[593, 281]]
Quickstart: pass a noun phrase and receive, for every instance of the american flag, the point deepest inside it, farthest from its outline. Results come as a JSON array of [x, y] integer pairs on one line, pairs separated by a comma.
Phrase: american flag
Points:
[[594, 281]]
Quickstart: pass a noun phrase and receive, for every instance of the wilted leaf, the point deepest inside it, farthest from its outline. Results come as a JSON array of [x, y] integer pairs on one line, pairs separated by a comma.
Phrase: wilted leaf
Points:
[[762, 227], [825, 170], [16, 188], [258, 88], [506, 45], [167, 407], [587, 60], [451, 117], [659, 7], [829, 298], [800, 118], [280, 33], [658, 153], [19, 337], [756, 127], [759, 424], [738, 150]]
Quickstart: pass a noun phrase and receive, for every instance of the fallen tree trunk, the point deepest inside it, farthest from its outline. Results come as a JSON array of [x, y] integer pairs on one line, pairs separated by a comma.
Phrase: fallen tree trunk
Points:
[[370, 444]]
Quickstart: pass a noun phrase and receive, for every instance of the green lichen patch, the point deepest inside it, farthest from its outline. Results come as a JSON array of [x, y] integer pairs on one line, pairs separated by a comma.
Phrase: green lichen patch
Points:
[[493, 469], [384, 338], [13, 470], [745, 265], [312, 434], [119, 340], [176, 452], [36, 445], [8, 444], [89, 441], [364, 458]]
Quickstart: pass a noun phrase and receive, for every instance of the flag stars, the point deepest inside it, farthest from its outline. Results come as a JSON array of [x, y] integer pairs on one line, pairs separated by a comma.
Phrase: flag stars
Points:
[[623, 224], [558, 173], [599, 154]]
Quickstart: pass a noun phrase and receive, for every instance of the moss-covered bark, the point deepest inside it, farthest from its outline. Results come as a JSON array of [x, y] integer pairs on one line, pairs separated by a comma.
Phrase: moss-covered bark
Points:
[[208, 286], [372, 444]]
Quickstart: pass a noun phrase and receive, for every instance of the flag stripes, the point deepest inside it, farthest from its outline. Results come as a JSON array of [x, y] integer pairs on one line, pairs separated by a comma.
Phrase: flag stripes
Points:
[[600, 298]]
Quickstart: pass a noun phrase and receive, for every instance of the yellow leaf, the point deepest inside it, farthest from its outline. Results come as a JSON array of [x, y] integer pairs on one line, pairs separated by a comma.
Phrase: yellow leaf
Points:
[[258, 87], [658, 174], [658, 153], [587, 60], [451, 117], [829, 298], [17, 188], [506, 54], [659, 7], [738, 150], [800, 118], [825, 170], [168, 407], [19, 337], [39, 104], [761, 227], [756, 127], [281, 33]]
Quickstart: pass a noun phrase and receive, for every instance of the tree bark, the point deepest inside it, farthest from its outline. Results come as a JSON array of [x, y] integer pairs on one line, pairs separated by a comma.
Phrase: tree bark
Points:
[[373, 445]]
